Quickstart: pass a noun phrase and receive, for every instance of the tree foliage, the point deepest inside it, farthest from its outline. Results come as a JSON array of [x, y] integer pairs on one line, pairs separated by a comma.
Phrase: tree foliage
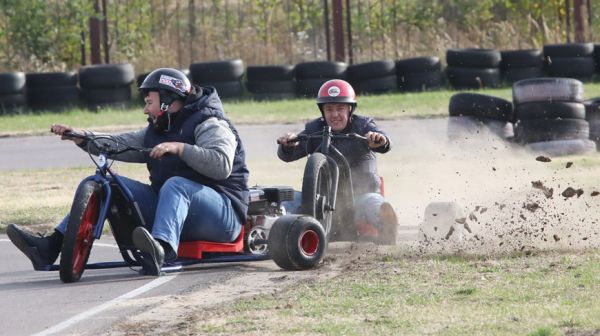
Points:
[[39, 35]]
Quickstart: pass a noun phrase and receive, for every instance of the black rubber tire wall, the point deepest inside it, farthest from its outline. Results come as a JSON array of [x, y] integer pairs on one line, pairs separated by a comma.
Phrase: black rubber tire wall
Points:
[[105, 76], [221, 71]]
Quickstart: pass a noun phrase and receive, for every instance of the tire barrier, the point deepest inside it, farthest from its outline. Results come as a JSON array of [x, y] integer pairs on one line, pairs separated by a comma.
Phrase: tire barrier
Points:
[[550, 116], [592, 115], [225, 76], [419, 74], [311, 75], [471, 113], [373, 77], [473, 68], [106, 85], [271, 82], [12, 92], [516, 65], [574, 60], [54, 91]]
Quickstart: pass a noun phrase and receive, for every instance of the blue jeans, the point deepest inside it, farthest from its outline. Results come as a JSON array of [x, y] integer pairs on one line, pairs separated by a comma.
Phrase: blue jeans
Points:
[[366, 207], [183, 210]]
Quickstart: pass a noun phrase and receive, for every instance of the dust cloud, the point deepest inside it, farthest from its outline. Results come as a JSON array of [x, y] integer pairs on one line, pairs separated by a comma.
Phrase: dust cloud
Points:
[[480, 194]]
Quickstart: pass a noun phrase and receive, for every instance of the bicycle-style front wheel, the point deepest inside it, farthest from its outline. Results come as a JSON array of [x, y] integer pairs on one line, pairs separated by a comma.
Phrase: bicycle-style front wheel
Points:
[[79, 236], [317, 186]]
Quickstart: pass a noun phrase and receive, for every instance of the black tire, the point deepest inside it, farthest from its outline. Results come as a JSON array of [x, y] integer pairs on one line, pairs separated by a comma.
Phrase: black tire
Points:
[[473, 58], [105, 76], [572, 67], [79, 236], [106, 96], [420, 81], [12, 82], [275, 86], [221, 71], [9, 102], [418, 65], [309, 88], [297, 242], [569, 50], [363, 71], [592, 109], [550, 110], [547, 89], [473, 78], [539, 130], [50, 79], [270, 73], [317, 186], [529, 58], [377, 85], [321, 69], [516, 74], [480, 105], [469, 127], [53, 97], [231, 89], [273, 96]]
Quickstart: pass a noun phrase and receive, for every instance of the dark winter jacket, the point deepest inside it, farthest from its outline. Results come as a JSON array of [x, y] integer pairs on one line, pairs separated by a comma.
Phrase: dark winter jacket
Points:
[[362, 160]]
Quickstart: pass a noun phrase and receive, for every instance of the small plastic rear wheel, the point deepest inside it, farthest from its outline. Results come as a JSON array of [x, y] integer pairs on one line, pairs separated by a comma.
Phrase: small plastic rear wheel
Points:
[[297, 242]]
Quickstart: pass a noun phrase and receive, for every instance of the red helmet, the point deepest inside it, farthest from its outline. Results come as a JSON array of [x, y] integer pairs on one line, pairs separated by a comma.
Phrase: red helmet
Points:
[[336, 91]]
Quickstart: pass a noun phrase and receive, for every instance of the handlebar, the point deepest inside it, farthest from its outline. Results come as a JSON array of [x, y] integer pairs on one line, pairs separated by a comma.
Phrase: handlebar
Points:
[[304, 137], [107, 148]]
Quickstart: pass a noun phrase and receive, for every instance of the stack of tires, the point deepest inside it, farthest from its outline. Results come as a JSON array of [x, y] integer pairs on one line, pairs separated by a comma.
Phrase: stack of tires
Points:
[[105, 85], [373, 77], [52, 90], [574, 60], [471, 114], [419, 74], [271, 82], [592, 115], [12, 92], [225, 76], [473, 68], [521, 64], [311, 75], [550, 116]]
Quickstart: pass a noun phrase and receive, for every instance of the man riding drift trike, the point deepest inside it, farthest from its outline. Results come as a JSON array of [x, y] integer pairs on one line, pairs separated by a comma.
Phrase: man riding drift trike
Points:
[[341, 184], [198, 176]]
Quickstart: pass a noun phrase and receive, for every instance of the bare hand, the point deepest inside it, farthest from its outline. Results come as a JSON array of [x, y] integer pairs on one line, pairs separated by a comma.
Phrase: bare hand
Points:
[[166, 148], [376, 139], [60, 129], [287, 140]]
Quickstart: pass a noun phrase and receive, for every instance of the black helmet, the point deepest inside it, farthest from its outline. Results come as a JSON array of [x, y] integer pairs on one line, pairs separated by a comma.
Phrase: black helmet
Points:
[[171, 84]]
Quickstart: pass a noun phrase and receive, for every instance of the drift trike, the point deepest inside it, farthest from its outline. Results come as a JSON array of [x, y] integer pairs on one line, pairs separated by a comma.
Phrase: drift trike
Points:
[[294, 242]]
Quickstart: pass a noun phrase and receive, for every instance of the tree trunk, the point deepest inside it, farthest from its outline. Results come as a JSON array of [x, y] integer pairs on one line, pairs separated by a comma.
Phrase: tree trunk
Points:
[[95, 29], [578, 8]]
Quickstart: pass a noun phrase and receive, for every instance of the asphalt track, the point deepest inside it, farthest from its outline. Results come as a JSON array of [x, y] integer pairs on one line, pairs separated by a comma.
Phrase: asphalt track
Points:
[[39, 303]]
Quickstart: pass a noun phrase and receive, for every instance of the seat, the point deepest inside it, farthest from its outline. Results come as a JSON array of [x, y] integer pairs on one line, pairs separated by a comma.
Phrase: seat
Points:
[[194, 249]]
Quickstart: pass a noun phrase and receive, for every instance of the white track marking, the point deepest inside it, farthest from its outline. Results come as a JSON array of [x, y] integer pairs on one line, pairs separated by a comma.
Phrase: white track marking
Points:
[[86, 314]]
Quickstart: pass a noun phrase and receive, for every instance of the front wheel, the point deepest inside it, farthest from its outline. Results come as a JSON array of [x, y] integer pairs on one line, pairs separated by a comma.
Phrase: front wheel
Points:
[[317, 190], [79, 236], [297, 242]]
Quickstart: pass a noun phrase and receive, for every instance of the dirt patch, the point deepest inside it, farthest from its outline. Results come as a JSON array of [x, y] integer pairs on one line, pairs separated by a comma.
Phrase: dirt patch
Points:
[[177, 312]]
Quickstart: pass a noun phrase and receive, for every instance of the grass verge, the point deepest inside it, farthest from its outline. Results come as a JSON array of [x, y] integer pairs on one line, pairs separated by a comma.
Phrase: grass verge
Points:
[[393, 105], [539, 294]]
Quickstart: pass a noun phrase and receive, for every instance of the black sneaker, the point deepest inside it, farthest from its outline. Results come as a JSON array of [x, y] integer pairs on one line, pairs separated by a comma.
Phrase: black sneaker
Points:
[[153, 255], [38, 249]]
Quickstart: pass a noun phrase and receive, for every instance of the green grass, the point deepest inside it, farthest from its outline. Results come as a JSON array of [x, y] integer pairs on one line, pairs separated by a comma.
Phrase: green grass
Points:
[[428, 296], [386, 106]]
